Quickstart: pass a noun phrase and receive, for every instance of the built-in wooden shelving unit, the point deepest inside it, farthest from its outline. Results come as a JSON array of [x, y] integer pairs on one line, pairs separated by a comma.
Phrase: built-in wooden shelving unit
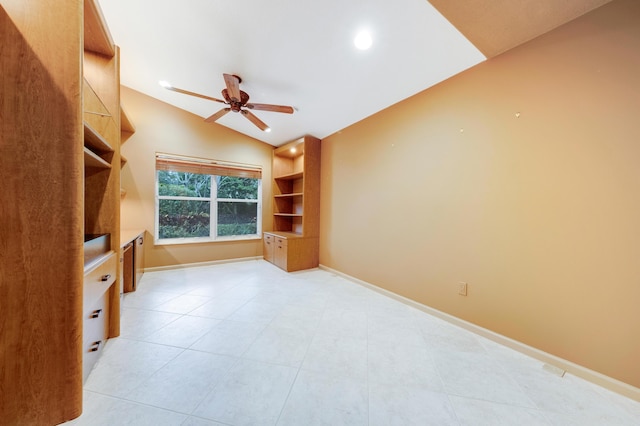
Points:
[[102, 137], [293, 243], [60, 160]]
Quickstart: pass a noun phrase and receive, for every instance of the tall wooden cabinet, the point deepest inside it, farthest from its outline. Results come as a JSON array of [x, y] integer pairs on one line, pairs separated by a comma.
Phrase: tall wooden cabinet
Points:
[[59, 168], [293, 244]]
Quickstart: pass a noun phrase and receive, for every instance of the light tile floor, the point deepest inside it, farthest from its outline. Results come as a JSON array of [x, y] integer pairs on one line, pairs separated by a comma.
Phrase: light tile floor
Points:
[[247, 344]]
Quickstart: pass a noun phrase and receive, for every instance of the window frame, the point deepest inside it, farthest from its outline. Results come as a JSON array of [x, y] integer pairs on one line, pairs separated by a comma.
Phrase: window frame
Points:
[[201, 166]]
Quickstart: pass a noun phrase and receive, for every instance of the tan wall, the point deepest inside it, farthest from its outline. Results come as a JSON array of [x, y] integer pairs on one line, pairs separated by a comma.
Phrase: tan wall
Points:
[[539, 214], [163, 128]]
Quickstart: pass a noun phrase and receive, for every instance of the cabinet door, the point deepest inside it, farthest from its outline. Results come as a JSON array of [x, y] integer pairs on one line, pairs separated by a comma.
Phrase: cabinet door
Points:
[[267, 249], [138, 258], [280, 253], [127, 268]]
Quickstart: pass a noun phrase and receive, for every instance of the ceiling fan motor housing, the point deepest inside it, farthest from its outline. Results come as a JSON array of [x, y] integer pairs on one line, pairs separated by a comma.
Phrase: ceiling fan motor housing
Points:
[[235, 105]]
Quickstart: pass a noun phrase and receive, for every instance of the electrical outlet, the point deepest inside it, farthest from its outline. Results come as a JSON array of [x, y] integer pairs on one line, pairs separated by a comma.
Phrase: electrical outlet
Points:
[[462, 289]]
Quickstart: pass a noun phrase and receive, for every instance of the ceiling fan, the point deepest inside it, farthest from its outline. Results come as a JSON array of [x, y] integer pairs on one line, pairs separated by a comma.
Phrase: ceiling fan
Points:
[[237, 101]]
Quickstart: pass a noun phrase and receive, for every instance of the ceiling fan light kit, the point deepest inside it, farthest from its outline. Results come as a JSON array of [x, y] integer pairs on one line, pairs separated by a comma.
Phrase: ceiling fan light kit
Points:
[[237, 101]]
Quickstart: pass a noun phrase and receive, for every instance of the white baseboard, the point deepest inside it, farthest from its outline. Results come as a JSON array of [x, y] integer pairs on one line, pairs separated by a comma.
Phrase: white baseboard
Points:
[[200, 264], [599, 379]]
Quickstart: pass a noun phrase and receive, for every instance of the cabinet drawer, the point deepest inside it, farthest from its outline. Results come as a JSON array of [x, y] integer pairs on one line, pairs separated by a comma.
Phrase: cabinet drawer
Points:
[[94, 333], [98, 277], [280, 242]]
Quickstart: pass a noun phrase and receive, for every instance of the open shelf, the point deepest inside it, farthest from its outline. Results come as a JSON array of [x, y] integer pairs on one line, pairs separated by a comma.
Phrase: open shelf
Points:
[[95, 141], [126, 126], [97, 37], [291, 150], [288, 214], [285, 234], [291, 176], [296, 194], [91, 160]]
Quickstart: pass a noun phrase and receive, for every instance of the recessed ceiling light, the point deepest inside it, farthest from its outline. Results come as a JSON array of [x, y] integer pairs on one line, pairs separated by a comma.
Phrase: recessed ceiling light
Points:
[[363, 40], [268, 129], [164, 84]]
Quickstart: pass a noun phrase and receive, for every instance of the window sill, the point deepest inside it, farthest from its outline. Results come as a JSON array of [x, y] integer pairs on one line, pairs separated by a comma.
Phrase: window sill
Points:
[[181, 241]]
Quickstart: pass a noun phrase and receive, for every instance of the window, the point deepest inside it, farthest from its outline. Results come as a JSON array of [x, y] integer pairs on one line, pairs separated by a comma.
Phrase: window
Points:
[[206, 200]]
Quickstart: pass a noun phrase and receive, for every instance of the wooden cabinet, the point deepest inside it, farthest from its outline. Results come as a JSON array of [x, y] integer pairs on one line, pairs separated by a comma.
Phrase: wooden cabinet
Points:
[[59, 164], [296, 206], [133, 258], [292, 252]]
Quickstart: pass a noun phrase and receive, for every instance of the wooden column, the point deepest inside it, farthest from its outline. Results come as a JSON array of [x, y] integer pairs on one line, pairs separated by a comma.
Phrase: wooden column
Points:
[[41, 213]]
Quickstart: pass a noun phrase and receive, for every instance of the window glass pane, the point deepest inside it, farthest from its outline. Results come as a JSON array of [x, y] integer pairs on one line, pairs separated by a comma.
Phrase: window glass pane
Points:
[[237, 188], [183, 219], [237, 218], [183, 184]]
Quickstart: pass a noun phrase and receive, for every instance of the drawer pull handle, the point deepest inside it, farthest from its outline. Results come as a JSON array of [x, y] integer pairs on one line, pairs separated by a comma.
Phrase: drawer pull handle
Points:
[[105, 277], [96, 313], [95, 346]]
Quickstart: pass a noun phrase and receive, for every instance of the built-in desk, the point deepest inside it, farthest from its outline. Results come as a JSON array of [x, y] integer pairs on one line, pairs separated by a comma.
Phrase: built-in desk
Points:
[[132, 253]]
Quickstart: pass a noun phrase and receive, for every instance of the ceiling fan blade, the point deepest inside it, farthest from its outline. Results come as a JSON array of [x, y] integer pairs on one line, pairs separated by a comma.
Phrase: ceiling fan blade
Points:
[[186, 92], [268, 107], [233, 86], [217, 115], [255, 120]]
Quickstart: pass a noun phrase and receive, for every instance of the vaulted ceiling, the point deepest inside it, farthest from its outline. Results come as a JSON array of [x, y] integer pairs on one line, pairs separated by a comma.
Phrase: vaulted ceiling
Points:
[[290, 52], [495, 26]]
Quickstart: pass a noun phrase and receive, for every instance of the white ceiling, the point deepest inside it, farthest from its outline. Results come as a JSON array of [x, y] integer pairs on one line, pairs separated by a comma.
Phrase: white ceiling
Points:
[[288, 52]]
